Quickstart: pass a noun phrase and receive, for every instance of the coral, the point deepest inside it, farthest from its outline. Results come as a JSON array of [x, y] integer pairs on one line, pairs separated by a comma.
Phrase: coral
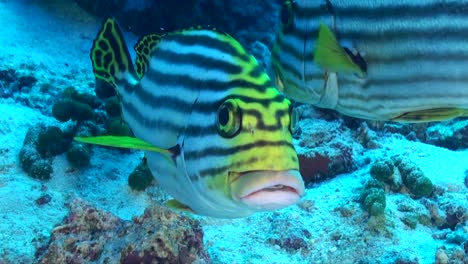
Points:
[[61, 110], [325, 149], [41, 169], [104, 90], [418, 184], [27, 156], [414, 179], [112, 106], [31, 160], [367, 137], [451, 255], [453, 135], [51, 142], [89, 235], [67, 109], [85, 98], [383, 170], [78, 155], [141, 178], [372, 197]]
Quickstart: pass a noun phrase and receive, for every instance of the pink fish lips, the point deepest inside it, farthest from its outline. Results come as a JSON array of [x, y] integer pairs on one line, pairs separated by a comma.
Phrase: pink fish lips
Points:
[[267, 190]]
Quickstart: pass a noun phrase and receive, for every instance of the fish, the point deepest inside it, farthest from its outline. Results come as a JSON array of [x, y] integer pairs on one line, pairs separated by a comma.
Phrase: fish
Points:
[[215, 130], [402, 61]]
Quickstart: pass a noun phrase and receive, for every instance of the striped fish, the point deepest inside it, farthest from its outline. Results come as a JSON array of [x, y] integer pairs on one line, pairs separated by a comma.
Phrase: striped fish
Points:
[[216, 131], [402, 61]]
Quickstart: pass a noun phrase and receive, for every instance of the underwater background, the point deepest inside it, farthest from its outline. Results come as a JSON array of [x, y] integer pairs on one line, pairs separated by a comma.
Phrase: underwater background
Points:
[[377, 192]]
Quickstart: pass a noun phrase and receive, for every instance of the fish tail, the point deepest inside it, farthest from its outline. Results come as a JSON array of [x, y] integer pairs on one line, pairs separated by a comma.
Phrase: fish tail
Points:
[[110, 56]]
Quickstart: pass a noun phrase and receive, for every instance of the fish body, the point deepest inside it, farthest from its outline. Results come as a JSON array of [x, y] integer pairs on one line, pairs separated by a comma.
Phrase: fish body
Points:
[[381, 60], [221, 131]]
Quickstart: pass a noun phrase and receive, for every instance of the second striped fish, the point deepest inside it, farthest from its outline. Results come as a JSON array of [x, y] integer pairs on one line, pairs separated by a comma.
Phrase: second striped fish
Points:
[[382, 60]]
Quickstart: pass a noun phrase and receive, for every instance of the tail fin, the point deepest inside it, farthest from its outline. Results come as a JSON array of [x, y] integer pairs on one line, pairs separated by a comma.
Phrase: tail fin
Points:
[[111, 60]]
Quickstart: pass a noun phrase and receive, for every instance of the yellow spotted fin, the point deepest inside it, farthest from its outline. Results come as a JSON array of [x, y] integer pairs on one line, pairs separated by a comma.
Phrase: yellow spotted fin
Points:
[[332, 56], [130, 143], [174, 204], [431, 115], [144, 48]]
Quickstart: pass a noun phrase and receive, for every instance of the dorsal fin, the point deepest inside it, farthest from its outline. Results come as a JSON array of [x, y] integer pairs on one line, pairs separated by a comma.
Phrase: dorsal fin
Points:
[[144, 48], [110, 57]]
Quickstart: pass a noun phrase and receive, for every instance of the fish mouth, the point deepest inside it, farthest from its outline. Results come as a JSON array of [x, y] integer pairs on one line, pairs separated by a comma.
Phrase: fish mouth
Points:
[[267, 190]]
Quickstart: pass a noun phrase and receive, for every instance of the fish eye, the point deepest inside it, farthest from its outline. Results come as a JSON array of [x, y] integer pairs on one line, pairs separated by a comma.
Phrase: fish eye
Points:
[[287, 16], [228, 119]]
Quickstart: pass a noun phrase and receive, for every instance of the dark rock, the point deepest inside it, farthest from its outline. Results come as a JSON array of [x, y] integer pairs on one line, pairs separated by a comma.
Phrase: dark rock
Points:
[[26, 81], [465, 180], [141, 178], [8, 76], [44, 199], [325, 149], [104, 90], [78, 155], [51, 142]]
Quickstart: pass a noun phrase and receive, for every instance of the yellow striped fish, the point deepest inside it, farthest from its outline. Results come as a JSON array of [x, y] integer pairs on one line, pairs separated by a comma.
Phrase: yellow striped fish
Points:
[[403, 60], [216, 131]]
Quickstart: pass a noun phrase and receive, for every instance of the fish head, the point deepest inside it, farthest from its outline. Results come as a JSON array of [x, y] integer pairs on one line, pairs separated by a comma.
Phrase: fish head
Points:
[[295, 72], [249, 163]]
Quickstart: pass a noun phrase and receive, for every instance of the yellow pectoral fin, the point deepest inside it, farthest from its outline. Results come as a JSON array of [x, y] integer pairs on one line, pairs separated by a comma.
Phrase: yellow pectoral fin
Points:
[[122, 142], [174, 204], [431, 115], [330, 55]]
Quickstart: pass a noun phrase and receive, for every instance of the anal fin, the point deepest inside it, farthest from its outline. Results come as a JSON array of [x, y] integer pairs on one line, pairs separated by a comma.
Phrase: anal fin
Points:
[[431, 115]]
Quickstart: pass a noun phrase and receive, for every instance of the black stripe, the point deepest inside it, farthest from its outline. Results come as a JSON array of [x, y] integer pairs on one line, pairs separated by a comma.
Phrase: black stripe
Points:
[[396, 11], [411, 80], [208, 42], [218, 170], [419, 57], [151, 123], [197, 61], [403, 98], [404, 34], [286, 46], [195, 84], [220, 151], [287, 68]]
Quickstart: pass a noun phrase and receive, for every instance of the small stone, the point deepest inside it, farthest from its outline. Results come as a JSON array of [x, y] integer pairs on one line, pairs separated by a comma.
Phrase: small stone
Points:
[[441, 256], [44, 199]]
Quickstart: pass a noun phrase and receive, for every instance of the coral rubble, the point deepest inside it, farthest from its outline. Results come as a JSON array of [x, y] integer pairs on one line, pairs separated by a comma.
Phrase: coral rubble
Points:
[[89, 235]]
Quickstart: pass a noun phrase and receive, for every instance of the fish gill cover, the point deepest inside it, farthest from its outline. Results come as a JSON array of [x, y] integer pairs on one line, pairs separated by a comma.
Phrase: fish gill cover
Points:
[[376, 192]]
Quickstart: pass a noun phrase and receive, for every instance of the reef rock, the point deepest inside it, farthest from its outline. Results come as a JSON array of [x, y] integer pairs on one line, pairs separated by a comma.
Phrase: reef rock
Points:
[[90, 235], [325, 148]]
